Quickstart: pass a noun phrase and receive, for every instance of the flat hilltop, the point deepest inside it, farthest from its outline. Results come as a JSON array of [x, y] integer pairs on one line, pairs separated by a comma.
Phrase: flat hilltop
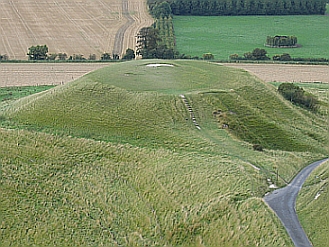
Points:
[[116, 158]]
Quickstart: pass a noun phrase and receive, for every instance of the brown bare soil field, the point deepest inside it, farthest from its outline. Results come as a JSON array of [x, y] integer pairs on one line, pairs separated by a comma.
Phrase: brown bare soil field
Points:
[[70, 26], [286, 72], [25, 74]]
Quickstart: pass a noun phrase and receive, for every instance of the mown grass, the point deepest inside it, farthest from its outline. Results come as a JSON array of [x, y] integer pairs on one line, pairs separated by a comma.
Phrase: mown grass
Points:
[[312, 206], [226, 35], [114, 159]]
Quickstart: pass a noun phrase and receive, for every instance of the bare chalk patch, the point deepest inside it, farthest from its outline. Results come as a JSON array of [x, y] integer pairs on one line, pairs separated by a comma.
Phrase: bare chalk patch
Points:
[[155, 65]]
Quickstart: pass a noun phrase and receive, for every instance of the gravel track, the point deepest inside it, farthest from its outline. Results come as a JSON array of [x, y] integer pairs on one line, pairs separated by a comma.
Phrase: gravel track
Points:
[[283, 202]]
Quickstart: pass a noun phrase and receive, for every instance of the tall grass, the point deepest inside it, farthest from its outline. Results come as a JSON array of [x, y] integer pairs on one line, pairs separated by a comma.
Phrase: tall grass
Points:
[[114, 159]]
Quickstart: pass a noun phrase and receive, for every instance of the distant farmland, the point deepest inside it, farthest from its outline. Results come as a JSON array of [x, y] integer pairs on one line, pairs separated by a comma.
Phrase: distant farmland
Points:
[[71, 26], [226, 35]]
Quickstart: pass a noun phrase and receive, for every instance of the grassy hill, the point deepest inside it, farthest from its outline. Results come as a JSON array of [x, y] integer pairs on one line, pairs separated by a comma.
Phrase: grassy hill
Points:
[[114, 158]]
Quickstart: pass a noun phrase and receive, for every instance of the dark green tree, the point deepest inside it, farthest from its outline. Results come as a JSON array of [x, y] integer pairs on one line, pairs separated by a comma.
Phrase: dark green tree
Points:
[[147, 41], [105, 56], [259, 54], [38, 52], [162, 9], [130, 54]]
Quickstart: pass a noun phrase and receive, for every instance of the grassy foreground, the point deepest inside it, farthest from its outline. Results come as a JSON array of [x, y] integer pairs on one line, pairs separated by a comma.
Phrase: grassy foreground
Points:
[[113, 159], [226, 35]]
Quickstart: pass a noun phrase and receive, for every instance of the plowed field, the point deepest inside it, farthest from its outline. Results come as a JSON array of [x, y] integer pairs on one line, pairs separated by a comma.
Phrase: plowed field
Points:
[[71, 26], [286, 72], [25, 74]]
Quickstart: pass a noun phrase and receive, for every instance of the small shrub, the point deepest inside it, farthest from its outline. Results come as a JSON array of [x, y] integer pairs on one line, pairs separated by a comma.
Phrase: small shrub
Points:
[[208, 56], [257, 147]]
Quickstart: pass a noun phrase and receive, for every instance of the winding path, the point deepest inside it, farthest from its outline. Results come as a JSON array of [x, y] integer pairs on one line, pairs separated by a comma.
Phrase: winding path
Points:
[[283, 202], [119, 36]]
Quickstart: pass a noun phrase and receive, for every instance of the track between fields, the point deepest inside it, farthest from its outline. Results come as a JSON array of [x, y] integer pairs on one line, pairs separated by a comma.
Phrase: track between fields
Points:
[[119, 36], [283, 202]]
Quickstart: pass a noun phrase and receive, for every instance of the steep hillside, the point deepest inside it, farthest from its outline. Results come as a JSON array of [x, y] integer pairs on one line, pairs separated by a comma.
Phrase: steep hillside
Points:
[[116, 158]]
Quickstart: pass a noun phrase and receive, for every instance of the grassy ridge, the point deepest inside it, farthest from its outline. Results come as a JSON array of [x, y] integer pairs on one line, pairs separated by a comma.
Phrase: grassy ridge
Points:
[[120, 162], [226, 35]]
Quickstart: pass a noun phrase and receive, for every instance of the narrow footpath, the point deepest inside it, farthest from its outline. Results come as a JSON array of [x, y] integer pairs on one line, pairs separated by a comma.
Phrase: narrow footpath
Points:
[[283, 202]]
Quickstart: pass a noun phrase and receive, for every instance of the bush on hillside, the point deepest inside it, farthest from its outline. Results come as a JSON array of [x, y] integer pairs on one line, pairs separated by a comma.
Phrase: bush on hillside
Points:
[[298, 96], [283, 57], [208, 56]]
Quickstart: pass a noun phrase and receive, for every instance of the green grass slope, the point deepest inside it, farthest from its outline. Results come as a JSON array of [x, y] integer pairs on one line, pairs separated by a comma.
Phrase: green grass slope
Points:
[[114, 159]]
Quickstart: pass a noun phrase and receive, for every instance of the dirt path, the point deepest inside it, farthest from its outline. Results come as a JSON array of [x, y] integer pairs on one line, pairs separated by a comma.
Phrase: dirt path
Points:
[[283, 202], [126, 34], [286, 72], [119, 36]]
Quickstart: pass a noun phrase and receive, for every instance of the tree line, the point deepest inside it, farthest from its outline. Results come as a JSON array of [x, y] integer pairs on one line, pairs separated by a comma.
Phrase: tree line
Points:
[[239, 7], [40, 53]]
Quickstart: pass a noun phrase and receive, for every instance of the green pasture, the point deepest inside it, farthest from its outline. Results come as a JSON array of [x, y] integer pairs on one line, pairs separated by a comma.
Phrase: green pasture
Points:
[[114, 159], [226, 35]]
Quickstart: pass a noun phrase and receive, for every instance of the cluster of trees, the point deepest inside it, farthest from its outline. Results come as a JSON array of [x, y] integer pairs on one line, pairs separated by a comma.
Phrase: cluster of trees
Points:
[[261, 54], [298, 96], [243, 7], [149, 44], [165, 26], [256, 54], [281, 41], [40, 52]]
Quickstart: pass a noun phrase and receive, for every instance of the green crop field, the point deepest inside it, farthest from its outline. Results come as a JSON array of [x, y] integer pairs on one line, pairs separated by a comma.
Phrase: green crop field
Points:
[[226, 35], [114, 158]]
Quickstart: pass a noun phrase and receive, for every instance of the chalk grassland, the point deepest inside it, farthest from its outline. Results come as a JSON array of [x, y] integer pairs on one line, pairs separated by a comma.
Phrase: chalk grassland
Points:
[[114, 159], [70, 26], [226, 35], [312, 206]]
